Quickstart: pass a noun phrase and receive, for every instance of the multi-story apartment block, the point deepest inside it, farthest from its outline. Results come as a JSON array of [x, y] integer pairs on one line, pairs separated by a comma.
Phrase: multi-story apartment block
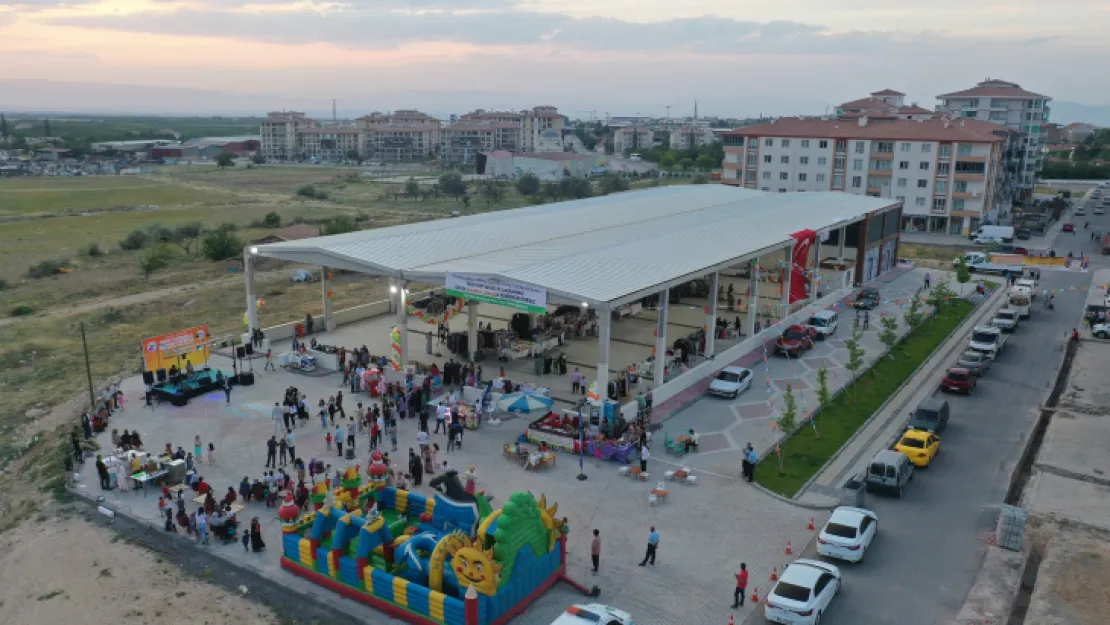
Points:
[[542, 129], [279, 133], [691, 137], [887, 103], [402, 136], [1007, 104], [945, 171], [632, 137], [460, 143], [405, 135], [327, 143]]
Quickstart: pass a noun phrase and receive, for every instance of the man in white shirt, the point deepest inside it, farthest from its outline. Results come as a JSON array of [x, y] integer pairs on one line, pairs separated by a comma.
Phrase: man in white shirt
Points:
[[276, 414], [422, 440], [644, 455]]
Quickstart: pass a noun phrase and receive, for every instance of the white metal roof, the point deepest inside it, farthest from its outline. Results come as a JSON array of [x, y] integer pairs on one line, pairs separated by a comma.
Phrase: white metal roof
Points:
[[598, 250]]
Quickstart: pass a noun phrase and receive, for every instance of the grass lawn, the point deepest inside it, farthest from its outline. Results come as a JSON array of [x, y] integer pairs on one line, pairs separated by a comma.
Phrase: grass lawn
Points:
[[45, 196], [804, 453]]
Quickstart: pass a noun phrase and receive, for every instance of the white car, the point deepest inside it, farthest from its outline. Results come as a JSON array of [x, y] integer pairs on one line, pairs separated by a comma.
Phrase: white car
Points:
[[593, 614], [1101, 330], [730, 382], [803, 593], [824, 321], [1026, 283], [847, 534]]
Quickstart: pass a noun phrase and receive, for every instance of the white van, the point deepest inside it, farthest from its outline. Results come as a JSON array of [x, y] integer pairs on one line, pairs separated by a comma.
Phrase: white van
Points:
[[993, 234]]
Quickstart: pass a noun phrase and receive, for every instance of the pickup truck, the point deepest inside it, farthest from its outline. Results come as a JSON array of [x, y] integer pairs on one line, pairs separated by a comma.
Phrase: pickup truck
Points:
[[1004, 264], [988, 340], [1020, 297], [1007, 319]]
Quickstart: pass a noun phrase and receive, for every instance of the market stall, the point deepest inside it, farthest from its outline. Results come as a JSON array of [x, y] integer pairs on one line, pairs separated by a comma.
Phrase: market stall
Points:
[[604, 432]]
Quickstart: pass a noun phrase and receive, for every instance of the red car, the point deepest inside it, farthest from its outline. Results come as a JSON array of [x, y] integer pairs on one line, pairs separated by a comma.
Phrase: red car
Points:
[[1068, 228], [795, 340], [958, 380]]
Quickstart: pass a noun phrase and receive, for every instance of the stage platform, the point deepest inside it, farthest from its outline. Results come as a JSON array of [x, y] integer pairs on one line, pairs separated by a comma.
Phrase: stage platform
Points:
[[179, 392]]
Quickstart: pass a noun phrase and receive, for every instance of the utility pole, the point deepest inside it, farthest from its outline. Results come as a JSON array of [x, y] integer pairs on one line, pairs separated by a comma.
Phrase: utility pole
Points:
[[668, 113], [88, 367]]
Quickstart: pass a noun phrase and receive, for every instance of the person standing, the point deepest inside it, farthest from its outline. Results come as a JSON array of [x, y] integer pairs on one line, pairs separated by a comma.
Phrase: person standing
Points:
[[746, 466], [416, 470], [202, 527], [271, 452], [276, 414], [269, 360], [283, 452], [928, 280], [753, 458], [340, 438], [595, 550], [866, 319], [644, 455], [291, 442], [102, 471], [575, 381], [351, 434], [741, 586], [652, 547], [227, 390]]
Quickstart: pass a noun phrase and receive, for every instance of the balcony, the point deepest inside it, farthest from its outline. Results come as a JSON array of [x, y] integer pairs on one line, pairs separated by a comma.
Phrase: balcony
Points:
[[966, 195], [881, 173], [938, 211]]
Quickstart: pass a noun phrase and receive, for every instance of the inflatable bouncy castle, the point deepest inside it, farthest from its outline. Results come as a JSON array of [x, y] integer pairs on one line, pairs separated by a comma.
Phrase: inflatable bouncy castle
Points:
[[433, 560]]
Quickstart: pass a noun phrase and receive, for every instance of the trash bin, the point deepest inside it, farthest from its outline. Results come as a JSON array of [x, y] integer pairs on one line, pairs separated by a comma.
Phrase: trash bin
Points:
[[853, 492]]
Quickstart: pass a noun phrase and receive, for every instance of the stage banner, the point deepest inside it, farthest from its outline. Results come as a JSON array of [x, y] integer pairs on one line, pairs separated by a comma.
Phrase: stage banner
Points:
[[176, 348], [1045, 261], [799, 282], [493, 291]]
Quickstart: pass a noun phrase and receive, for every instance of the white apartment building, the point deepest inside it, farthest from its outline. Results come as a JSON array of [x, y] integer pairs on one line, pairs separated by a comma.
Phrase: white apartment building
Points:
[[539, 129], [691, 137], [328, 143], [460, 143], [279, 131], [944, 171], [632, 137], [1007, 104], [404, 136], [886, 103]]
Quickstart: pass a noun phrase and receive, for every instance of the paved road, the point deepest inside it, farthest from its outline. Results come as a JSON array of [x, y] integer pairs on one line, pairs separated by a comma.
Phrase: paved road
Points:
[[931, 543]]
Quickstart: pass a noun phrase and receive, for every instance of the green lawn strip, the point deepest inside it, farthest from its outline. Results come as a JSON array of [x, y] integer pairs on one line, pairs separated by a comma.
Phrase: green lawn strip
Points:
[[808, 450]]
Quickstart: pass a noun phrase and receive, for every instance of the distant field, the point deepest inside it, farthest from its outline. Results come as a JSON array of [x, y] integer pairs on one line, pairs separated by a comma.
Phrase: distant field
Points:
[[265, 179], [33, 196]]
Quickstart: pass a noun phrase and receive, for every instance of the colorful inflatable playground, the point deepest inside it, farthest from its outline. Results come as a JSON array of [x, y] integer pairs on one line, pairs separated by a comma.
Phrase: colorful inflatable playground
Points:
[[447, 560]]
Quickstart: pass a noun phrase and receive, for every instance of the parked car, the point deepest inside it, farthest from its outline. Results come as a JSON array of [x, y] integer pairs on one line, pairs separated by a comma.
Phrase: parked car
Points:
[[975, 362], [824, 323], [868, 298], [919, 446], [1068, 228], [931, 415], [890, 471], [303, 275], [730, 382], [795, 340], [593, 614], [958, 380], [1101, 330], [803, 593], [1023, 233], [847, 534]]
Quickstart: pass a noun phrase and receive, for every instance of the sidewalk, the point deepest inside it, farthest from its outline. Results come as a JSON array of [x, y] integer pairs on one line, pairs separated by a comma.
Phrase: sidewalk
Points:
[[889, 421]]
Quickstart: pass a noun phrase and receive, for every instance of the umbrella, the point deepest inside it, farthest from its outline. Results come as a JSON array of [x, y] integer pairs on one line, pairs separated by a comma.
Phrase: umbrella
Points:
[[524, 403]]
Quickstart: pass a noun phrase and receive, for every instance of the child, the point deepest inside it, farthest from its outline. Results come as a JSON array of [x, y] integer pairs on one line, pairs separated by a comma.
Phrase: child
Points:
[[393, 439], [450, 442], [403, 481], [327, 439], [189, 462], [374, 436], [246, 540], [211, 453], [198, 449]]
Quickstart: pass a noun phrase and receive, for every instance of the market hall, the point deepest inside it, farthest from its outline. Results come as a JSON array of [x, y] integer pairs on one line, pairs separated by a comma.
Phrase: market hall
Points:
[[636, 270]]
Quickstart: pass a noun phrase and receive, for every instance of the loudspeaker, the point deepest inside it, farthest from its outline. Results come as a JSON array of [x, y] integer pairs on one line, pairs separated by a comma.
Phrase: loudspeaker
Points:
[[161, 375], [249, 349], [240, 352], [246, 378], [148, 377]]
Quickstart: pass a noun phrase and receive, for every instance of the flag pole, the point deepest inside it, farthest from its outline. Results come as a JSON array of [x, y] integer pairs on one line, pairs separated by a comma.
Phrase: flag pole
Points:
[[581, 446]]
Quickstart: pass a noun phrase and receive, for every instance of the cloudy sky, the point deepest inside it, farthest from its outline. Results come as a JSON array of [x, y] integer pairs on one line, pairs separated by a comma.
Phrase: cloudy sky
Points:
[[737, 57]]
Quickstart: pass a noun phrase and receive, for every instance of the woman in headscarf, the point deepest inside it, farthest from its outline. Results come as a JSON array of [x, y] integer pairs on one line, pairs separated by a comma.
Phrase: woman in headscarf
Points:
[[256, 536]]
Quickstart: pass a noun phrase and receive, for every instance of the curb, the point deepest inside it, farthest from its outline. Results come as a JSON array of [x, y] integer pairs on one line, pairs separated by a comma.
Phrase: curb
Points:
[[795, 502], [972, 319]]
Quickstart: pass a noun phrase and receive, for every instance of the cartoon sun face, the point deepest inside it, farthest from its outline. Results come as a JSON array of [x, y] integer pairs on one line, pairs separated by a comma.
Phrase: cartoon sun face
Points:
[[472, 565]]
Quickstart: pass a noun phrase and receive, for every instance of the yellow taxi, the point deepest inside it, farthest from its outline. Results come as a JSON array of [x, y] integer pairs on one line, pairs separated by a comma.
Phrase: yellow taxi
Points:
[[919, 446]]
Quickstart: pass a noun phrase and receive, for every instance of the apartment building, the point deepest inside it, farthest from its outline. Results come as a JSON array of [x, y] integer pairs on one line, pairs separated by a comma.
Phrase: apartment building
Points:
[[404, 136], [460, 143], [542, 129], [632, 137], [944, 171], [279, 133], [691, 137], [886, 103], [1008, 104], [328, 143]]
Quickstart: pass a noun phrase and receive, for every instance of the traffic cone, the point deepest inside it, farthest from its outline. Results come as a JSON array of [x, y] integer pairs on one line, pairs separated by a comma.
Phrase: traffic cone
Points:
[[775, 574], [755, 595], [731, 620], [789, 548], [810, 527]]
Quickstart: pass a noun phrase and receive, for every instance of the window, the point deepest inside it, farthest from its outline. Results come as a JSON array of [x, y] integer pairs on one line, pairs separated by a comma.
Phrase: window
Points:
[[838, 181], [941, 187], [998, 103], [841, 146], [783, 175], [924, 165], [903, 164], [921, 184], [946, 150], [766, 175], [857, 164], [823, 144], [785, 160], [920, 201], [884, 146], [838, 162], [805, 143], [821, 160], [926, 148], [766, 158], [969, 114], [943, 168], [997, 116], [906, 147], [972, 103], [901, 182], [900, 198], [960, 186], [751, 160], [881, 165], [782, 190], [786, 143], [940, 203], [963, 167], [803, 160], [860, 147], [769, 143], [765, 189], [801, 177], [963, 150], [820, 177], [857, 182], [957, 205]]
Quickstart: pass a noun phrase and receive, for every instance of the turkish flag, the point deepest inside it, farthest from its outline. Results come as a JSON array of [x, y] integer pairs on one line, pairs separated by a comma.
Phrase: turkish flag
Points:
[[799, 283]]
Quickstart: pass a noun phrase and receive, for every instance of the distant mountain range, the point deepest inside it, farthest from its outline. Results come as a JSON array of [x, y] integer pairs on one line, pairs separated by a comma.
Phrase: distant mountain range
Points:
[[1068, 112]]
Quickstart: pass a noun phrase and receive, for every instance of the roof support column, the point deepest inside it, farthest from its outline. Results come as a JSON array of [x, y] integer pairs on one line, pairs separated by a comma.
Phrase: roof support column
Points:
[[784, 308], [840, 236], [252, 299], [711, 320], [604, 321], [659, 365], [399, 295], [815, 278], [753, 295], [472, 329], [328, 327]]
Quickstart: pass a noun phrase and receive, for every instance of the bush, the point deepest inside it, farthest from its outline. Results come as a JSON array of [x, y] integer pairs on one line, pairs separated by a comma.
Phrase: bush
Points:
[[339, 225], [93, 251], [221, 245], [307, 191], [701, 179], [4, 284], [46, 268], [272, 220], [136, 240], [22, 310], [321, 195]]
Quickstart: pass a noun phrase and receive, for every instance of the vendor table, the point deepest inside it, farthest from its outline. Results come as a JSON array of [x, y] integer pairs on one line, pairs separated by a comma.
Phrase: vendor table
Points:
[[142, 479]]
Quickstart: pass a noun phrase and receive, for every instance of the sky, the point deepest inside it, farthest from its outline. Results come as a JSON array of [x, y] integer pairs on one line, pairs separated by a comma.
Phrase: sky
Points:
[[624, 57]]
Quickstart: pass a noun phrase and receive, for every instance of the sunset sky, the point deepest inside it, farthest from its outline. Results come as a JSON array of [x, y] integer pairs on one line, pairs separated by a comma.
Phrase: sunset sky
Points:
[[619, 56]]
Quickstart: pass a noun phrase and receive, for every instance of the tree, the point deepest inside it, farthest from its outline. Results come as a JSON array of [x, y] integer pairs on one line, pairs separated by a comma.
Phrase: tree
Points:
[[528, 184], [412, 188], [889, 332], [913, 317], [221, 245], [701, 179], [855, 351], [612, 183], [667, 161], [552, 190], [187, 235], [575, 187], [963, 273], [353, 155], [787, 421], [272, 220], [452, 184], [686, 163], [3, 125], [154, 259], [466, 201], [46, 130], [824, 397], [135, 240], [225, 160], [704, 162], [340, 224], [940, 296], [258, 159], [491, 192]]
